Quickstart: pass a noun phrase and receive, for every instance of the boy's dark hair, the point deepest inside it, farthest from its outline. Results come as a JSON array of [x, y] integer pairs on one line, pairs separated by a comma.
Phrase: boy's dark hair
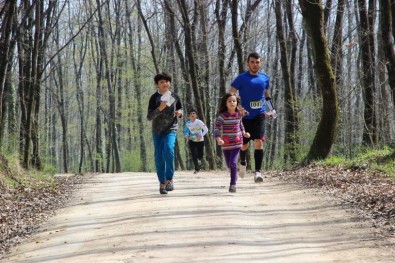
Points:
[[253, 55], [161, 76], [224, 108], [192, 110]]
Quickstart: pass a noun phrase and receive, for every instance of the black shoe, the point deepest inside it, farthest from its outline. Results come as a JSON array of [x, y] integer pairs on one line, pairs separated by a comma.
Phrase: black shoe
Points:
[[169, 185], [162, 189], [232, 189]]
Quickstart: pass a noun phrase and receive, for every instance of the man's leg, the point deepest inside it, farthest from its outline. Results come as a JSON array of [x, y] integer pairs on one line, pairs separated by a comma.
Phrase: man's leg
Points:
[[243, 162], [258, 157]]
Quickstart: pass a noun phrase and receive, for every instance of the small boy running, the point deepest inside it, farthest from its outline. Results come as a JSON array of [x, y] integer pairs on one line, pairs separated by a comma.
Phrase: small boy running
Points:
[[194, 131], [164, 109]]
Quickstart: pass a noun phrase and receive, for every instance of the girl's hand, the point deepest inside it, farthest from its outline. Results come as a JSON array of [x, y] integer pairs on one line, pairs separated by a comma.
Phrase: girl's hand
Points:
[[220, 141], [246, 134]]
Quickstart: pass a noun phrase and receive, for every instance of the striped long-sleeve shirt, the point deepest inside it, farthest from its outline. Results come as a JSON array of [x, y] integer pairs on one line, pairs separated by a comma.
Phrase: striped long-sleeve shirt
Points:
[[229, 127]]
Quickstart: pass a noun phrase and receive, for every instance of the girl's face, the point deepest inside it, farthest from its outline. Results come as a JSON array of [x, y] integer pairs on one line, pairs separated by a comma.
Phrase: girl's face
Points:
[[163, 85], [231, 103]]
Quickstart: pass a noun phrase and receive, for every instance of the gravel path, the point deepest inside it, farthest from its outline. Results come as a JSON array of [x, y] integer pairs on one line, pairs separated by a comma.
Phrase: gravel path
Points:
[[123, 218]]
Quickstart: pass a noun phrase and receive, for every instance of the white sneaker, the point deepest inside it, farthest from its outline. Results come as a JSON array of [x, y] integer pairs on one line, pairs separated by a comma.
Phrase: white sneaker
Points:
[[242, 170], [258, 177]]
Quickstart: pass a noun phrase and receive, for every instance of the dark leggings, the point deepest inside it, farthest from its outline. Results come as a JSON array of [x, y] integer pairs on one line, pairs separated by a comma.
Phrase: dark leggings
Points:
[[197, 152], [231, 157]]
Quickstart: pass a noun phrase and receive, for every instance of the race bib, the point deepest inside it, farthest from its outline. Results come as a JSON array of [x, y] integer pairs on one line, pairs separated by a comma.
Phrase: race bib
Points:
[[256, 104]]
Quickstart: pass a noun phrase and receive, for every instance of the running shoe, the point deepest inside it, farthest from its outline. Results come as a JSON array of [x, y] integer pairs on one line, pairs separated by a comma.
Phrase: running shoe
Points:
[[169, 185], [232, 189], [258, 177], [242, 170], [162, 189]]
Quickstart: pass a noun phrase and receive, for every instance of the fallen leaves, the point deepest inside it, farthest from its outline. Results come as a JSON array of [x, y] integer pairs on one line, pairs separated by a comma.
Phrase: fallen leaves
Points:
[[372, 194], [23, 209]]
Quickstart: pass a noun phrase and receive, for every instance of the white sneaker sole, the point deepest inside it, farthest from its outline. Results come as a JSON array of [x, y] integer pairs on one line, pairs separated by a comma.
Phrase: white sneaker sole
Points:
[[242, 171], [258, 179]]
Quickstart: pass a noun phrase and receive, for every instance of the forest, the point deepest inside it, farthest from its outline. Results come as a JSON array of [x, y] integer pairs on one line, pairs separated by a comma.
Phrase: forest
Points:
[[76, 77]]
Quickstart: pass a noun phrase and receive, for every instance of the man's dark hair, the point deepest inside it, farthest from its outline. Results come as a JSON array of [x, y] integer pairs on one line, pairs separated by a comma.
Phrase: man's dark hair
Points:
[[253, 55], [161, 76]]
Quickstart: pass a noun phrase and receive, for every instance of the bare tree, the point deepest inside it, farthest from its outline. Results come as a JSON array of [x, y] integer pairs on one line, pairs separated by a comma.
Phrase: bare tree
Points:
[[314, 23]]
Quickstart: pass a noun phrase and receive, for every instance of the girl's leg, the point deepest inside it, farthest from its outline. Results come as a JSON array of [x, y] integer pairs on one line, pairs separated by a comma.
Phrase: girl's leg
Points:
[[231, 157]]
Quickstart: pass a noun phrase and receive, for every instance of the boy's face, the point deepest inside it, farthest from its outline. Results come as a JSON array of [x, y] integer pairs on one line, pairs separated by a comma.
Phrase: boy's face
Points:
[[192, 116], [163, 85]]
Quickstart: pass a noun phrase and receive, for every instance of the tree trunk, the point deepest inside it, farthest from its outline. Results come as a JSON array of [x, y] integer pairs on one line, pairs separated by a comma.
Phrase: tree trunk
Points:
[[368, 75], [324, 138], [387, 33], [136, 66], [288, 68]]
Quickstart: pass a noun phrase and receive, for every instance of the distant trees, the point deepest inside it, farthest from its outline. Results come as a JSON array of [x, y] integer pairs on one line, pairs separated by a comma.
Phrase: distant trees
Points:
[[75, 76]]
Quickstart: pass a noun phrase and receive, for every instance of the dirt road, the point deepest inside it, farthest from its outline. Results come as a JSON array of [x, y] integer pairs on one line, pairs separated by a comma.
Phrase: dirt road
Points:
[[123, 218]]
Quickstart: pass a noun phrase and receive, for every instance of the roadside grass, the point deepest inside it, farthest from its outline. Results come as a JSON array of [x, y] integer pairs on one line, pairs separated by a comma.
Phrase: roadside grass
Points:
[[382, 160], [14, 176]]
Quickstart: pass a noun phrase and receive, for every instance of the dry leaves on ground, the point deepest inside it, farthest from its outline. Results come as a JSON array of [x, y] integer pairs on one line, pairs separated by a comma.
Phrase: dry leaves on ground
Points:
[[372, 194], [23, 209]]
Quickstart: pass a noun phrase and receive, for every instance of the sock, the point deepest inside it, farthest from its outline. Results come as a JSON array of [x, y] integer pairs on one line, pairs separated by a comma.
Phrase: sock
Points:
[[243, 157], [258, 157]]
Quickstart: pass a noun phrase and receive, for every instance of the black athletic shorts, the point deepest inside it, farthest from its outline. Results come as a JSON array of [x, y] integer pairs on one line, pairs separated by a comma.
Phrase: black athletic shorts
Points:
[[256, 128]]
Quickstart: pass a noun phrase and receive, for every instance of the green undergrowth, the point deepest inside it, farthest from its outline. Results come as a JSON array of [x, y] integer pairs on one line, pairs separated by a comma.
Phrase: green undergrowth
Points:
[[377, 160], [13, 176]]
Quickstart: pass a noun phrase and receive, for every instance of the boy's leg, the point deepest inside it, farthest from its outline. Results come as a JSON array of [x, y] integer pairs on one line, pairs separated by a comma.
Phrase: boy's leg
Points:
[[200, 153], [168, 154], [194, 153], [160, 162]]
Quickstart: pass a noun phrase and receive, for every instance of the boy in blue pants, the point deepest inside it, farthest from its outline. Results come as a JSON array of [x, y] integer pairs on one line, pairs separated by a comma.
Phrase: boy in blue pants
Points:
[[164, 110]]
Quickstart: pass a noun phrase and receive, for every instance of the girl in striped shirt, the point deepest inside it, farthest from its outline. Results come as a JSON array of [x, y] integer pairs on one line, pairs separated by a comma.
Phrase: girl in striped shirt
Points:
[[229, 132]]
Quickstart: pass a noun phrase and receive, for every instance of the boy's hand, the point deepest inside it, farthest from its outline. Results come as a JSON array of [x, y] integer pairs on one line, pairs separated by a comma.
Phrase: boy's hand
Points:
[[220, 141], [162, 105], [178, 114], [246, 134]]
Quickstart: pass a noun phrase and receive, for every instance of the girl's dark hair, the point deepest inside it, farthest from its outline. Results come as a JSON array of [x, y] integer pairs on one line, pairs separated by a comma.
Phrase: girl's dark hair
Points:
[[224, 108]]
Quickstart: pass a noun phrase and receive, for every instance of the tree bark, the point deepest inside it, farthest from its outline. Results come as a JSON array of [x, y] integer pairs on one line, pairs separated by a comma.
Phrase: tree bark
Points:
[[325, 135]]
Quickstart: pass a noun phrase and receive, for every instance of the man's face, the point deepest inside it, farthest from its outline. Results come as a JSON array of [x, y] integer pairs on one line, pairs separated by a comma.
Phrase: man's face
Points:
[[254, 64]]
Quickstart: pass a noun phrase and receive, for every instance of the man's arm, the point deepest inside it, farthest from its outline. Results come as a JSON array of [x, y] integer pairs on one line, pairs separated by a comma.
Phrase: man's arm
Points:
[[267, 93]]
